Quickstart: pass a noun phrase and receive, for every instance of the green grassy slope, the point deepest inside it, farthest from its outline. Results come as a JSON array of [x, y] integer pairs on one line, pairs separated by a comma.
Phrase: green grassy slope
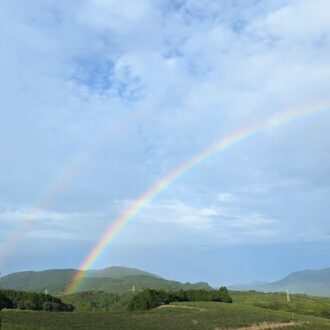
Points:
[[299, 303], [199, 316]]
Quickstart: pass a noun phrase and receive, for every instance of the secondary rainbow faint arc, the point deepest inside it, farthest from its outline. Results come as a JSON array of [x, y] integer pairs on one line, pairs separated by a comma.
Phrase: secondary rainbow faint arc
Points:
[[63, 179], [219, 145]]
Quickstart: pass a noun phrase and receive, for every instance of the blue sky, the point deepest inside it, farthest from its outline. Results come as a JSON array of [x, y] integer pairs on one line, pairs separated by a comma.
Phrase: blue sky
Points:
[[100, 98]]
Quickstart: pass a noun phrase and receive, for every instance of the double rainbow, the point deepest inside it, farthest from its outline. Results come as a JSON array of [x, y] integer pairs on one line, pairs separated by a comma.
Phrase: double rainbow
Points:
[[63, 180], [144, 199]]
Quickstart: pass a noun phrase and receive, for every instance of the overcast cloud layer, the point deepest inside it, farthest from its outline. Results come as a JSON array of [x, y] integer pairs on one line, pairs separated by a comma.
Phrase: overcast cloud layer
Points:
[[100, 98]]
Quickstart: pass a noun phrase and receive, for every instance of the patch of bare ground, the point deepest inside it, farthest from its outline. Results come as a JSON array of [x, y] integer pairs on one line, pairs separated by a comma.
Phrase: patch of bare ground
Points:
[[265, 326], [184, 307]]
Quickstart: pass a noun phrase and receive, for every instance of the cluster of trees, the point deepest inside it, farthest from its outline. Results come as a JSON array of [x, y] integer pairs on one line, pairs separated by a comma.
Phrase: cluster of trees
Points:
[[96, 301], [102, 301], [150, 298], [32, 301]]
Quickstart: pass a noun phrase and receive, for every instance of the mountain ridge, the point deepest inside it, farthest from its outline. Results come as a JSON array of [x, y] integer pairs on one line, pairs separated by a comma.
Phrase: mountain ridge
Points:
[[113, 279], [309, 281]]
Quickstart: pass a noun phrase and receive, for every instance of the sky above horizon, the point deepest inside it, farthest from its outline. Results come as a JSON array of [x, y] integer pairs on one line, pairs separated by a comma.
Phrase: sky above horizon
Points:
[[102, 98]]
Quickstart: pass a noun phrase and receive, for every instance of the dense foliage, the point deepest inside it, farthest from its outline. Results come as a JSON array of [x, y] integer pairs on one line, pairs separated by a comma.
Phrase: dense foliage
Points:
[[5, 302], [91, 301], [11, 299], [150, 298]]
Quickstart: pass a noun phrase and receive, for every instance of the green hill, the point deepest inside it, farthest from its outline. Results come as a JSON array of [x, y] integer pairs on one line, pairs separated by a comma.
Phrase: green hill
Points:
[[112, 279], [312, 282], [54, 280]]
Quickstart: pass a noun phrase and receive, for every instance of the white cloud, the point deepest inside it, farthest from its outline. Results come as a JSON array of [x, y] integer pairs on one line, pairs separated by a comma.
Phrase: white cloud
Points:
[[190, 73], [211, 224], [226, 197], [47, 224], [115, 14], [299, 20]]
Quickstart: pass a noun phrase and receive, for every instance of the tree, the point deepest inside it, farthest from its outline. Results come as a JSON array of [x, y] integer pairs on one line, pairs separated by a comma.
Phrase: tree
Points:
[[5, 302]]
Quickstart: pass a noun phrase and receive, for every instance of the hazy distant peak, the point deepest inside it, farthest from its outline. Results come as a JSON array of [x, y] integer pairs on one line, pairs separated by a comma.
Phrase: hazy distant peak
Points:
[[311, 281]]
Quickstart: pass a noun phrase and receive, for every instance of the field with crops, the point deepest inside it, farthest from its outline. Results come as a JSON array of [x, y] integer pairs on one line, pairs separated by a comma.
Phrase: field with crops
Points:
[[298, 303], [187, 315]]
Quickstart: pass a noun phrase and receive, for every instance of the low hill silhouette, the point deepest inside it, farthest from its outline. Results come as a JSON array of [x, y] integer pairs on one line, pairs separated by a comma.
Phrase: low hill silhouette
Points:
[[311, 282], [111, 279]]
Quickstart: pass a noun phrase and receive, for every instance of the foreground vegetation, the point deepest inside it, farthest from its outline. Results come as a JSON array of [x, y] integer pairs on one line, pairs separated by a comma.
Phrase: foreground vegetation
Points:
[[158, 309], [299, 303], [187, 315], [92, 301]]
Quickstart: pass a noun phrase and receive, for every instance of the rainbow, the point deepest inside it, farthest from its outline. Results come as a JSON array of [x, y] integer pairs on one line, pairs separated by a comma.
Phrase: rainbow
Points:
[[33, 215], [64, 178], [144, 199]]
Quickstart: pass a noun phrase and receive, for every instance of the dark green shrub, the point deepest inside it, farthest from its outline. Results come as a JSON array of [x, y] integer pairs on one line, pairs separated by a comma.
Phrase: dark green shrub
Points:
[[5, 302]]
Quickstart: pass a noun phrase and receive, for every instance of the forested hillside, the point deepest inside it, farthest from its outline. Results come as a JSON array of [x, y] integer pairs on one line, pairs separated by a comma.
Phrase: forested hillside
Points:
[[112, 279]]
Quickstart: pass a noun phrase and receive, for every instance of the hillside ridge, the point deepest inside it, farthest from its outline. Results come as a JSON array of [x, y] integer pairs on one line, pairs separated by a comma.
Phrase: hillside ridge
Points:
[[309, 281], [115, 279]]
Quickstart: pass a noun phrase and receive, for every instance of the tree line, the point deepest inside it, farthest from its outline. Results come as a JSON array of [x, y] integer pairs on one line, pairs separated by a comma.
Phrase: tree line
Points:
[[12, 299], [151, 298]]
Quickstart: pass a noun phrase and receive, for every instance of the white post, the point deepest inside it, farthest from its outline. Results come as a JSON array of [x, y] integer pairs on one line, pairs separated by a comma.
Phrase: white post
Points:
[[287, 295]]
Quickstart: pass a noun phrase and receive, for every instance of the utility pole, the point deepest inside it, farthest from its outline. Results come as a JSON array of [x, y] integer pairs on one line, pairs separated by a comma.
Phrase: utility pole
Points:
[[288, 300], [287, 295]]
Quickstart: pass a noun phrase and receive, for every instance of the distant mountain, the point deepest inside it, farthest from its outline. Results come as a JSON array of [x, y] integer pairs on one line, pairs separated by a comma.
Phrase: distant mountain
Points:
[[311, 282], [111, 279]]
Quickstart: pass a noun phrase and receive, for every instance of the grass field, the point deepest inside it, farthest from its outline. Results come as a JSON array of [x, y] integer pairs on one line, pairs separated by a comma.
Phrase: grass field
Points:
[[199, 316], [299, 303]]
